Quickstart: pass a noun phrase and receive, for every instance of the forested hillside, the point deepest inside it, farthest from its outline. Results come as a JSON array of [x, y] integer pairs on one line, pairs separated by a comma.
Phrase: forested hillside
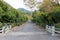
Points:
[[9, 14]]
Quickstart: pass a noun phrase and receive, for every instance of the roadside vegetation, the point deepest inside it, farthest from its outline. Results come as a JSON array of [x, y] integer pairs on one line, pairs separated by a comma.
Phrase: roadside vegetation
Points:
[[48, 14], [11, 15]]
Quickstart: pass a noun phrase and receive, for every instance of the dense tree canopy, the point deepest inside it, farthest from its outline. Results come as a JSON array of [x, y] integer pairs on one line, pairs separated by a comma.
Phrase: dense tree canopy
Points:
[[9, 14], [49, 14]]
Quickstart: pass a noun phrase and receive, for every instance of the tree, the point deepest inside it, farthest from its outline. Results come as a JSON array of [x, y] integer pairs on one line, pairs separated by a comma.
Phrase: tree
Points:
[[56, 1], [45, 6], [31, 3], [10, 15]]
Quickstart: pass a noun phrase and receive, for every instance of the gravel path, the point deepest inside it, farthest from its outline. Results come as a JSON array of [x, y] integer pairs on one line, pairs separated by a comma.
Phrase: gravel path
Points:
[[28, 31]]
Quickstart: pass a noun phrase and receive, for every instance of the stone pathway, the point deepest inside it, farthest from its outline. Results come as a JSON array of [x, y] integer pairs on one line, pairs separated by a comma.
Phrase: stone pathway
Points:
[[28, 31]]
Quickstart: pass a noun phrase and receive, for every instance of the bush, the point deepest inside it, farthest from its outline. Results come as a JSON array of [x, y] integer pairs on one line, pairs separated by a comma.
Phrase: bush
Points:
[[57, 25], [50, 16], [10, 15], [56, 16], [49, 20], [0, 25], [39, 18], [43, 18]]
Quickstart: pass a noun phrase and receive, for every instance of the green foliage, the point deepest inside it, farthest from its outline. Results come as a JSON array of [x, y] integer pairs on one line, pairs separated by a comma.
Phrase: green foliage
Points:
[[57, 25], [39, 18], [49, 18], [10, 15], [0, 25], [49, 14], [55, 14]]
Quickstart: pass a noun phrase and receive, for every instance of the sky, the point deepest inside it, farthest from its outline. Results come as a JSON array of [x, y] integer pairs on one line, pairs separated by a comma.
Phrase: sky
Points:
[[18, 4]]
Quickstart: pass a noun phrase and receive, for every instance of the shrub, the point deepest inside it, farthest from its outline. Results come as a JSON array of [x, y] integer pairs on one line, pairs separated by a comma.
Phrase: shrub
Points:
[[42, 18], [0, 25], [39, 18], [56, 16], [49, 20], [10, 15], [57, 25]]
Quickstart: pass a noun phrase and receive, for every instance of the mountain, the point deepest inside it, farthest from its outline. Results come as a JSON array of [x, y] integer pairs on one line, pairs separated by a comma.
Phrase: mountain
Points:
[[24, 10]]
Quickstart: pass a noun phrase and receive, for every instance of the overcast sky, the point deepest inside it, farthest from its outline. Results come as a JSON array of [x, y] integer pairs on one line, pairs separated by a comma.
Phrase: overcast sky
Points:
[[17, 4]]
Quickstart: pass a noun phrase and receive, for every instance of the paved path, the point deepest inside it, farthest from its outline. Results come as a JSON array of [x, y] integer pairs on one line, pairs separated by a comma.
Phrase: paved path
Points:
[[28, 31]]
